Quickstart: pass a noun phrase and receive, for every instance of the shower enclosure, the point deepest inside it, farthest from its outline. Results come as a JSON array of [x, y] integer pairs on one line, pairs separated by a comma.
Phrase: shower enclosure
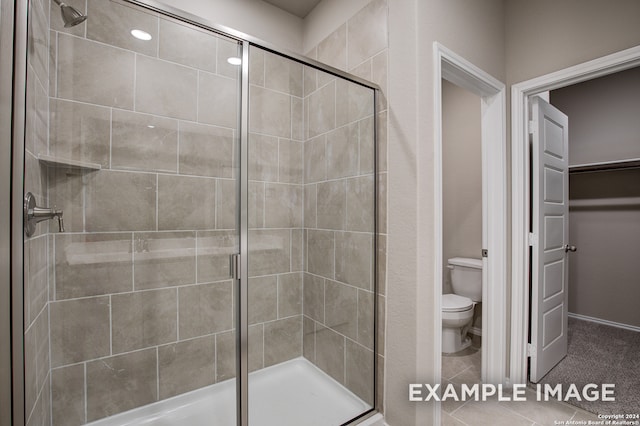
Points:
[[211, 253]]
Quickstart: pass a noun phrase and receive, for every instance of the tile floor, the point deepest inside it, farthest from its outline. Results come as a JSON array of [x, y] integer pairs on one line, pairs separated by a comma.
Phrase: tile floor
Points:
[[465, 368]]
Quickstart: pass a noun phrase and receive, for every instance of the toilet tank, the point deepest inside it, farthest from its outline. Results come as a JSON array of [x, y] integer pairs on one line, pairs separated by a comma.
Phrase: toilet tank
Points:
[[466, 277]]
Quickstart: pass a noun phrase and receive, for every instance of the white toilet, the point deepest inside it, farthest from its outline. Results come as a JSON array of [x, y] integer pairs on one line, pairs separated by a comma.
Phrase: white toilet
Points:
[[457, 308]]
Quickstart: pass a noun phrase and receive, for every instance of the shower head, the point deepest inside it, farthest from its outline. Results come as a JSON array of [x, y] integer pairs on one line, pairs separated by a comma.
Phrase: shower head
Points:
[[70, 15]]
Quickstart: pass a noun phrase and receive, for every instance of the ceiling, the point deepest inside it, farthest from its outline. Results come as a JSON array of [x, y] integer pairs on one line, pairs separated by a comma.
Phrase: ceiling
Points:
[[300, 8]]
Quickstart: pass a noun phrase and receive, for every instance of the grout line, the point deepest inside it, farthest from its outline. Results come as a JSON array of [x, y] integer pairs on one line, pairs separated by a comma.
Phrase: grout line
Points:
[[177, 314], [110, 325], [84, 364], [157, 373]]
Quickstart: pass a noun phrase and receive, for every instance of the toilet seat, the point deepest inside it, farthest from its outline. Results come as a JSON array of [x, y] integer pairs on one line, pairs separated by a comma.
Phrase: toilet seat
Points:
[[456, 303]]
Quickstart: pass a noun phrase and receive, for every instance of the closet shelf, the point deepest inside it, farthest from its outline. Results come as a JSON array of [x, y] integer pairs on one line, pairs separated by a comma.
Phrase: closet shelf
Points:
[[52, 161], [605, 166]]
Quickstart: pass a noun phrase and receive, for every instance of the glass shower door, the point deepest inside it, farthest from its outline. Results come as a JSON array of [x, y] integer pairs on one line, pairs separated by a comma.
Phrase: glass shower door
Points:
[[311, 288], [132, 153]]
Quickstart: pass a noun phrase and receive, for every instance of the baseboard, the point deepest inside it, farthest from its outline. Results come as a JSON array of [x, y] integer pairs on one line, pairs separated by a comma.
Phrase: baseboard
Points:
[[605, 322]]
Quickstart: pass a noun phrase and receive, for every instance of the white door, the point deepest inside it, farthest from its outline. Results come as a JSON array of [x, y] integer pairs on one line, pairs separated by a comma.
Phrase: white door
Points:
[[550, 222]]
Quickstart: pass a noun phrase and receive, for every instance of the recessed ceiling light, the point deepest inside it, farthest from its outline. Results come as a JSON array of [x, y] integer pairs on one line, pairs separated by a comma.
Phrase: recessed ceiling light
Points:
[[234, 61], [141, 35]]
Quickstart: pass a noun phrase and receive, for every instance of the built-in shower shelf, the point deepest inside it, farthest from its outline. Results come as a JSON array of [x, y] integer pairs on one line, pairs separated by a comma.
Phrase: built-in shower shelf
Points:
[[52, 161]]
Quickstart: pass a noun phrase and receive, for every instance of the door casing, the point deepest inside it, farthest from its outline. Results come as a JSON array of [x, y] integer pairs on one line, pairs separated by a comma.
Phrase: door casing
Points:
[[457, 70], [520, 189]]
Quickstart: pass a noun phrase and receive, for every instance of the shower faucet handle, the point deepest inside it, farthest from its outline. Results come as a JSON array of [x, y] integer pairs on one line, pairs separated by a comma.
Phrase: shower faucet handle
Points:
[[34, 214]]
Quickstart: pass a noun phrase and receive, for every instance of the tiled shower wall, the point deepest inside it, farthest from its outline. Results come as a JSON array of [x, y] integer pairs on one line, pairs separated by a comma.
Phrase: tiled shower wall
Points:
[[139, 296], [141, 302], [338, 281]]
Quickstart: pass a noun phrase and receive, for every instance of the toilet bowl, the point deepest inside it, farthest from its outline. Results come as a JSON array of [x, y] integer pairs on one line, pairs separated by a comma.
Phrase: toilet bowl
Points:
[[457, 308]]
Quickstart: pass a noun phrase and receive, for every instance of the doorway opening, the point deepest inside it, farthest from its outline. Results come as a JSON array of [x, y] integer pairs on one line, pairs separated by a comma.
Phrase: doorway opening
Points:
[[580, 202], [454, 69]]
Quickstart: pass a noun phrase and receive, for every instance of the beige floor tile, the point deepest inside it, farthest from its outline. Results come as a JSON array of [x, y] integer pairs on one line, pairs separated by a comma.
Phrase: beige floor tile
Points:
[[489, 413]]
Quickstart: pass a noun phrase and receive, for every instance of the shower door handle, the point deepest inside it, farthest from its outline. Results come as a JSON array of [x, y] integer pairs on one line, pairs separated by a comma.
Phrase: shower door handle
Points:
[[234, 266]]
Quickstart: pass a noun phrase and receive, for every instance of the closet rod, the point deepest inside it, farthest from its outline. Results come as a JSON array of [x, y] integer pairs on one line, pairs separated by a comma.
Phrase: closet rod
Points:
[[632, 163]]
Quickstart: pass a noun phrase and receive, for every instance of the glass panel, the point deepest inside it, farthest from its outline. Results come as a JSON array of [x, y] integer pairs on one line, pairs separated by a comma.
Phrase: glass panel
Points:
[[132, 135], [311, 244]]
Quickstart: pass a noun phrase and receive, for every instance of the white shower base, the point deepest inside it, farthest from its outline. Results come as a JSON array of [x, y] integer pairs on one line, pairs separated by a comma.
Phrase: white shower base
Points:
[[292, 393]]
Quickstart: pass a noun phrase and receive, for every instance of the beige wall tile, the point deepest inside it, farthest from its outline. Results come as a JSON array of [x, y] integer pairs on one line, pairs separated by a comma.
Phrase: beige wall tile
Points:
[[30, 364], [353, 102], [282, 340], [186, 366], [382, 264], [166, 89], [187, 45], [297, 118], [92, 264], [322, 110], [283, 75], [204, 309], [367, 32], [269, 112], [332, 204], [111, 23], [263, 299], [269, 252], [38, 52], [365, 319], [366, 143], [310, 206], [263, 158], [309, 80], [283, 205], [143, 319], [343, 152], [207, 151], [226, 355], [289, 294], [315, 162], [381, 135], [143, 142], [341, 308], [37, 284], [214, 249], [66, 194], [80, 61], [320, 253], [360, 204], [226, 210], [120, 383], [359, 371], [333, 49], [354, 259], [135, 206], [290, 161], [379, 67], [186, 202], [164, 259], [214, 91], [79, 330], [256, 204], [67, 395], [309, 339], [313, 297], [330, 352], [297, 250], [382, 203], [80, 132]]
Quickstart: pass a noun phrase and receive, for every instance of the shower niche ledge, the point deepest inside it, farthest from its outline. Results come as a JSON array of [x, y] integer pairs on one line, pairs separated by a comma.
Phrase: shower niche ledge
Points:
[[53, 161]]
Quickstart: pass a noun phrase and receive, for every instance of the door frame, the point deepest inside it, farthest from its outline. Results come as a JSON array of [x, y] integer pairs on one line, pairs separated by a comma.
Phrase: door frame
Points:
[[454, 68], [521, 193]]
